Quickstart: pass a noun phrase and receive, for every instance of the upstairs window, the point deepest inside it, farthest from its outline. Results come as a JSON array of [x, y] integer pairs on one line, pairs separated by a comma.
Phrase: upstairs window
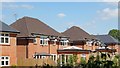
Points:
[[44, 40], [89, 43], [4, 38], [64, 42]]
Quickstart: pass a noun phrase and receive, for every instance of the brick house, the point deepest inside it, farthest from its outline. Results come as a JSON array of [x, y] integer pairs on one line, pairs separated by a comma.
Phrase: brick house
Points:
[[8, 55], [37, 40], [111, 43], [78, 38]]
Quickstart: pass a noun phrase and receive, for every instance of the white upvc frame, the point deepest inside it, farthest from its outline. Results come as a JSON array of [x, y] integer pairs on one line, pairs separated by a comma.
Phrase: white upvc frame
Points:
[[8, 37], [4, 60], [54, 57], [44, 41], [60, 57], [64, 42], [89, 43]]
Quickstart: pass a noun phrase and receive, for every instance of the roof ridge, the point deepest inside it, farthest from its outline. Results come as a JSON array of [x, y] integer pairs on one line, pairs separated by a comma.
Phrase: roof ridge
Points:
[[26, 25]]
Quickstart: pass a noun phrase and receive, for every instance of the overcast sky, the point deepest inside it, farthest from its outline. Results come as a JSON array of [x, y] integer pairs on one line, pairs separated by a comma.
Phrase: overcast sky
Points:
[[93, 17]]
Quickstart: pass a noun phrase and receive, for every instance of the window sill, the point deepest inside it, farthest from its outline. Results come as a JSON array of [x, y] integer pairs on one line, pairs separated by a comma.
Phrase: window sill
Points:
[[4, 44]]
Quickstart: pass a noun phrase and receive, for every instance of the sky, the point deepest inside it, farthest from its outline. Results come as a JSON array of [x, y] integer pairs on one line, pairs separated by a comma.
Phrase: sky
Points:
[[93, 17]]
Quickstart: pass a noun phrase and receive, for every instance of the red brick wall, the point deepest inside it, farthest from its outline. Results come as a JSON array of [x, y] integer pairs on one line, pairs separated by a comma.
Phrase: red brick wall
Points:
[[10, 50]]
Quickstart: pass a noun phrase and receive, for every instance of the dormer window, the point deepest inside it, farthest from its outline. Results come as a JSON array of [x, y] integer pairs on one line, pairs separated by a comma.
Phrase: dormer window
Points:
[[89, 43], [4, 38], [64, 41], [44, 40]]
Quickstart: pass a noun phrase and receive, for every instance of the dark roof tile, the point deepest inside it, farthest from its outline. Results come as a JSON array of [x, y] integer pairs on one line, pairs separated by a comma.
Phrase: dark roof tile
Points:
[[5, 28], [28, 25], [107, 39], [76, 33]]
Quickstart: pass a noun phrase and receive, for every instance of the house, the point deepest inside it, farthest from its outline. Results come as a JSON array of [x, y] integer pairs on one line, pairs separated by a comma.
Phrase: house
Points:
[[38, 40], [110, 43], [82, 40], [8, 55]]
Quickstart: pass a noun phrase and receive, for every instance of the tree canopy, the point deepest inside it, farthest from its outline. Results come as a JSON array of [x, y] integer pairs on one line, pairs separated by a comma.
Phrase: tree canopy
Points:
[[115, 33]]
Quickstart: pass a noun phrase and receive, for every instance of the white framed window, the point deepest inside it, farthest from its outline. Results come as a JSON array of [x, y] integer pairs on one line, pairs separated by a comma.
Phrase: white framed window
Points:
[[89, 43], [44, 40], [4, 38], [4, 61], [64, 42], [54, 57]]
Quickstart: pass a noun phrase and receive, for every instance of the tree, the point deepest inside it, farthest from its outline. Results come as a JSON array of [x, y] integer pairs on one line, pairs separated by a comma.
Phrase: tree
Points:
[[115, 33]]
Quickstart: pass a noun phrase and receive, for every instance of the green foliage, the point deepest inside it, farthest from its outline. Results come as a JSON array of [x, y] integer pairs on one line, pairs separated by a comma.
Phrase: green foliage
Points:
[[58, 61], [14, 66], [102, 61], [115, 33], [72, 60], [82, 60], [75, 59], [116, 60]]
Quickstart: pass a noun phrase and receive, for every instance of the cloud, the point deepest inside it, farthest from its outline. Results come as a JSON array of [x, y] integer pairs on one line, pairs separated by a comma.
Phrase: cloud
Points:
[[108, 13], [61, 15], [112, 3], [15, 6], [110, 0]]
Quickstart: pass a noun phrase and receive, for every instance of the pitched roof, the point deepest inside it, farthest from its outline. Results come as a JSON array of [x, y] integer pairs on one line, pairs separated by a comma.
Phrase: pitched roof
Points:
[[28, 25], [76, 33], [107, 39], [5, 28]]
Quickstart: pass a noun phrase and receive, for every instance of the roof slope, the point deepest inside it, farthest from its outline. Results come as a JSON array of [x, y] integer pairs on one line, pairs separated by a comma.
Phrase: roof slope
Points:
[[76, 33], [107, 39], [28, 25], [5, 28]]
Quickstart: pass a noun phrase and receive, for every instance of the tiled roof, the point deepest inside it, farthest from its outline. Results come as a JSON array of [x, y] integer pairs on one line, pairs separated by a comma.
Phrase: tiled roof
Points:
[[5, 28], [107, 39], [76, 33], [28, 25]]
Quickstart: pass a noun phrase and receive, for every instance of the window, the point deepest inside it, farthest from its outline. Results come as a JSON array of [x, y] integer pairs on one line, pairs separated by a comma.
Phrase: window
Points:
[[35, 40], [4, 60], [64, 42], [44, 40], [89, 43], [4, 38], [54, 57]]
